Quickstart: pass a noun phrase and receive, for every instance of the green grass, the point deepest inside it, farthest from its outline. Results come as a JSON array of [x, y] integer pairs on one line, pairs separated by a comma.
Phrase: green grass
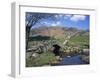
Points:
[[61, 40], [80, 40], [39, 38], [42, 59]]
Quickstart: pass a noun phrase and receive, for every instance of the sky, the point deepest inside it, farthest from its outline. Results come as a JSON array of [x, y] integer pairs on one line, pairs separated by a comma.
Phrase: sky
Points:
[[78, 21]]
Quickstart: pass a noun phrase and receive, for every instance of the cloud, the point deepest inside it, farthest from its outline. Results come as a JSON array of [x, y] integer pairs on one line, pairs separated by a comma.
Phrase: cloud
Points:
[[56, 23], [53, 24], [45, 22], [72, 17], [78, 18], [67, 16], [58, 16]]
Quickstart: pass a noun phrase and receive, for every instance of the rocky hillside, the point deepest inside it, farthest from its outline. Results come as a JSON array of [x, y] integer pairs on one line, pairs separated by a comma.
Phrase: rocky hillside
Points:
[[55, 32]]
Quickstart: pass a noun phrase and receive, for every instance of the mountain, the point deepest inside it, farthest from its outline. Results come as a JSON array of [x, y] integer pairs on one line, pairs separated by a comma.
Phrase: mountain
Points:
[[63, 35], [55, 32]]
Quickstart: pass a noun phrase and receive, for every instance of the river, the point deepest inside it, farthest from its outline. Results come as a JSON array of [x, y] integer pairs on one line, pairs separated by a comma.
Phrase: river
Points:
[[74, 60]]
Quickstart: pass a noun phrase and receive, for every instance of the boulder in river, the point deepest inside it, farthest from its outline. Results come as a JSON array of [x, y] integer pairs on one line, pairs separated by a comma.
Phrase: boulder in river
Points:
[[85, 51]]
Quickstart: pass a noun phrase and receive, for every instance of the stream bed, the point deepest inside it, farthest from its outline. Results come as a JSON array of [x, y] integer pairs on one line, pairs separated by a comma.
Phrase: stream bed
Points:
[[74, 60]]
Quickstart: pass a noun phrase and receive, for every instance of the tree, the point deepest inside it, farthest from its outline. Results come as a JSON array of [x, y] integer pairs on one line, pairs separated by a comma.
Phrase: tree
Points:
[[34, 18]]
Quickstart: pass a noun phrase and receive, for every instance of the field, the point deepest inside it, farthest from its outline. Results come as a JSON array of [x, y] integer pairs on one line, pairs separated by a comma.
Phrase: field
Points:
[[41, 41]]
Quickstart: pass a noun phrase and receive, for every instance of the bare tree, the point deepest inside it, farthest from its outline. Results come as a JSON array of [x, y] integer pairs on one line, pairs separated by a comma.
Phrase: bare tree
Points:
[[34, 18]]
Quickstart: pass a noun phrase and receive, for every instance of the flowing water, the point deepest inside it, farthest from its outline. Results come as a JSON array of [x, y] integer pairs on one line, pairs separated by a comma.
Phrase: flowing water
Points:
[[74, 60]]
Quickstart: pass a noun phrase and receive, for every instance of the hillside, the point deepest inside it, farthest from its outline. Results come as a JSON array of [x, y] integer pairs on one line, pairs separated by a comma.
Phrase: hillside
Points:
[[55, 32], [80, 39], [74, 36]]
